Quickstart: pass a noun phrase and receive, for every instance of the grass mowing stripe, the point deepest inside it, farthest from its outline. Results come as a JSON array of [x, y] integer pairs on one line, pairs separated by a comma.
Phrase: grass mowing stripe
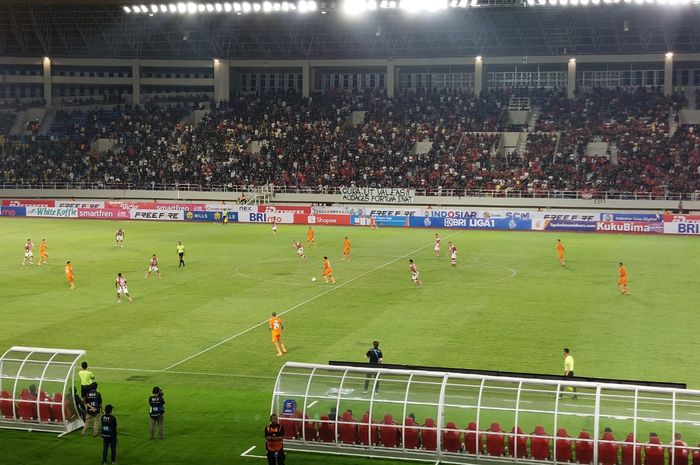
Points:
[[334, 288], [186, 373]]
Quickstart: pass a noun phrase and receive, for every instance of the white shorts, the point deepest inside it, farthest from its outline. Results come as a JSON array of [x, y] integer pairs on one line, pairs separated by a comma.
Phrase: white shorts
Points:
[[414, 276], [437, 248], [274, 228], [152, 268], [122, 290], [454, 257], [28, 254], [120, 237], [300, 252]]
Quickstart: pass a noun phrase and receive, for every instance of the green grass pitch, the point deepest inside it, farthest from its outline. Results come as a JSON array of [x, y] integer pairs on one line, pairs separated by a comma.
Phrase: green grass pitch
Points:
[[508, 305]]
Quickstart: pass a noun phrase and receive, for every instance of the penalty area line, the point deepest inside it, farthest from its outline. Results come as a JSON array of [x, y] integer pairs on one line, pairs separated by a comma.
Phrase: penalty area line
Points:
[[294, 307], [247, 453]]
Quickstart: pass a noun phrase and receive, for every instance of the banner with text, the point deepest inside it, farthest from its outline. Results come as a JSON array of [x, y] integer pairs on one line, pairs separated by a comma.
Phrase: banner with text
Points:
[[28, 203], [169, 206], [52, 212], [563, 225], [381, 220], [255, 217], [103, 214], [275, 209], [652, 217], [210, 216], [326, 220], [377, 195], [79, 204], [472, 223], [638, 227], [157, 215], [13, 211], [682, 224]]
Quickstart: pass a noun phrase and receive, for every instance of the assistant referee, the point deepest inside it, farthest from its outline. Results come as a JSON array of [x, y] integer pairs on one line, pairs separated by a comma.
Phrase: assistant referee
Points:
[[569, 368], [181, 253]]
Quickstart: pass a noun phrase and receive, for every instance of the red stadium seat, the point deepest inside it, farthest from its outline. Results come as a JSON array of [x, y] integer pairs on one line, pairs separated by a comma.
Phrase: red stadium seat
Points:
[[45, 407], [539, 445], [584, 449], [608, 450], [495, 441], [411, 438], [389, 433], [6, 405], [521, 443], [451, 438], [696, 456], [347, 430], [365, 429], [562, 446], [59, 409], [654, 452], [326, 430], [680, 453], [429, 434], [309, 429], [289, 426], [26, 408], [473, 440], [631, 454]]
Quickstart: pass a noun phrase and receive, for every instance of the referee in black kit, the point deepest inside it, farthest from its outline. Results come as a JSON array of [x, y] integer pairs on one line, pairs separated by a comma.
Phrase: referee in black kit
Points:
[[375, 357]]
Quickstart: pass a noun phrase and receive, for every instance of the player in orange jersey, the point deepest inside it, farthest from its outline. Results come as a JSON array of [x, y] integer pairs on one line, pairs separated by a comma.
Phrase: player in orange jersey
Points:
[[310, 236], [346, 249], [275, 328], [622, 280], [43, 256], [69, 274], [372, 223], [327, 271], [560, 252], [414, 272]]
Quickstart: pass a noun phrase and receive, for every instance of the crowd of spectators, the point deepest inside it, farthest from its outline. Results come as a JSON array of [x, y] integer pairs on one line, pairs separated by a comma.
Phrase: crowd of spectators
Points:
[[433, 140]]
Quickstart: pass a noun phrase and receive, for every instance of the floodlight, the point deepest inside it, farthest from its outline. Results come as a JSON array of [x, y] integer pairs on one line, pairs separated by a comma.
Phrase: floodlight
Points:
[[478, 58], [303, 6], [163, 8], [572, 60], [172, 7], [181, 8], [392, 4], [154, 8], [210, 8], [475, 3], [608, 2], [669, 54], [584, 2], [531, 2], [267, 7], [201, 8], [372, 5], [463, 3], [312, 5], [573, 2], [595, 2], [246, 7], [354, 7], [144, 9], [126, 9], [257, 7], [552, 2], [227, 7], [542, 2], [276, 6], [285, 6], [191, 8], [218, 7], [292, 6]]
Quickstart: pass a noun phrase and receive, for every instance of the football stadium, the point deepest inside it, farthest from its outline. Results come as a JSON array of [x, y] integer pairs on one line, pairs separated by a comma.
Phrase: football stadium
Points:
[[350, 232]]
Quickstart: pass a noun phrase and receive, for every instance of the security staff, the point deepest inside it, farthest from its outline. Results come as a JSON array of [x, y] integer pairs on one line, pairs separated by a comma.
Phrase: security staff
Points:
[[274, 435], [109, 434], [93, 404], [375, 357], [157, 411]]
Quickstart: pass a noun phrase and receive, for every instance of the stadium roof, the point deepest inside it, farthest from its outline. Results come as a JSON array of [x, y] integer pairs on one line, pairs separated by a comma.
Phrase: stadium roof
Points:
[[88, 28]]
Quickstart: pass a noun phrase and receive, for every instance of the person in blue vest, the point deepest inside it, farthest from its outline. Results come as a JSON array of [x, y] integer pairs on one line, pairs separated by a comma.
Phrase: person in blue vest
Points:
[[109, 434], [375, 358], [93, 405], [157, 411]]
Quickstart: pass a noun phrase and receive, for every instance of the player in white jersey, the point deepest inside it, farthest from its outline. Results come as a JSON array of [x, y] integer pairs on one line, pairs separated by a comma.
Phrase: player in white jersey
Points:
[[437, 245], [453, 254], [414, 272], [28, 254], [300, 250], [274, 227], [119, 238], [120, 285], [153, 266]]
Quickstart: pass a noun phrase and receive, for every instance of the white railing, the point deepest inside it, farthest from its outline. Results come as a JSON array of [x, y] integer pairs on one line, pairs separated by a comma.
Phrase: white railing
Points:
[[599, 196]]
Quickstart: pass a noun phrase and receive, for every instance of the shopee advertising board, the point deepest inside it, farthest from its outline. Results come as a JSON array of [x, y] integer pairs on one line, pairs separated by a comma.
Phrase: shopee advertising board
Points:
[[157, 215], [337, 220], [255, 217], [103, 214]]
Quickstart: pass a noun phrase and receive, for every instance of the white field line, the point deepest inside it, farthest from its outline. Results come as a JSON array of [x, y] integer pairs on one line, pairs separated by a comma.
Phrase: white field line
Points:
[[187, 373], [312, 404], [253, 456], [294, 307]]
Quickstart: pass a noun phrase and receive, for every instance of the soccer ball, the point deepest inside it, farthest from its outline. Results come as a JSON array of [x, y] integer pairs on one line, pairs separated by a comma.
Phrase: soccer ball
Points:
[[313, 280]]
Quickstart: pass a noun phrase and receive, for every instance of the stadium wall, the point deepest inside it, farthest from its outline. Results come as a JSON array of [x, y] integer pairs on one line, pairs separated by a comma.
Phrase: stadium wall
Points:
[[282, 198], [482, 218]]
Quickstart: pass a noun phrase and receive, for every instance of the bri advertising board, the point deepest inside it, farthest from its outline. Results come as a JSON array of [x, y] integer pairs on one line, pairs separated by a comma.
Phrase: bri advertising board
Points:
[[472, 223], [637, 227], [255, 217], [381, 220], [332, 220], [682, 224], [13, 211], [103, 214], [210, 216], [157, 215]]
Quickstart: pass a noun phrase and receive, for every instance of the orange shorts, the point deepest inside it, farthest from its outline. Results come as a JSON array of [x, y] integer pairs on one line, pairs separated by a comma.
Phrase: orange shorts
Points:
[[622, 282], [327, 272], [44, 255], [561, 255], [69, 278], [346, 251], [276, 336]]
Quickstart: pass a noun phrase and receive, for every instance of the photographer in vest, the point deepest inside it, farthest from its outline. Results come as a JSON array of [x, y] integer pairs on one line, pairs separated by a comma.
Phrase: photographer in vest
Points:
[[109, 434], [273, 442], [157, 411]]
